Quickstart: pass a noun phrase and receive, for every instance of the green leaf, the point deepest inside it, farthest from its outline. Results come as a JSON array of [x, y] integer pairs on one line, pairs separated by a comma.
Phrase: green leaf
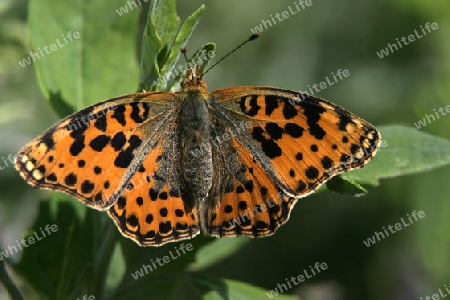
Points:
[[180, 41], [116, 270], [213, 252], [149, 70], [217, 289], [160, 52], [195, 286], [59, 265], [86, 52], [165, 16], [406, 151], [344, 185]]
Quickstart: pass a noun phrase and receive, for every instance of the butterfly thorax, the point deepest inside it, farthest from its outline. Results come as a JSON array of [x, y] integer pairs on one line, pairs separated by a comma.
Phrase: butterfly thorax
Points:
[[196, 153]]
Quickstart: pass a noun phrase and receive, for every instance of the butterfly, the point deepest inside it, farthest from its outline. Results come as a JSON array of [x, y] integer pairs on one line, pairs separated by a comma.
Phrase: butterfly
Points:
[[167, 165]]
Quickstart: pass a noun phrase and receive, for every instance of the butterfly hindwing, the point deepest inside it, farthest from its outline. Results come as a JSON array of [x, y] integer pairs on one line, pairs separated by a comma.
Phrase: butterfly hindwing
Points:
[[151, 209], [249, 202]]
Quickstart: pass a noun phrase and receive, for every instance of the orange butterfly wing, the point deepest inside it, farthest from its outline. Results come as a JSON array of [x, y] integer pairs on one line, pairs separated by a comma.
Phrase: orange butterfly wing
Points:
[[293, 143], [151, 210], [92, 154]]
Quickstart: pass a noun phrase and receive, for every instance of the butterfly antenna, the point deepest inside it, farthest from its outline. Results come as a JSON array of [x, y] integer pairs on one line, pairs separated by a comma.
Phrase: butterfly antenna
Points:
[[253, 37], [183, 50]]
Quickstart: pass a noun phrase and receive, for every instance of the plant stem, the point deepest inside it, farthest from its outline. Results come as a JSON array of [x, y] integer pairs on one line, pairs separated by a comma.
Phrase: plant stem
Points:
[[103, 258], [8, 283]]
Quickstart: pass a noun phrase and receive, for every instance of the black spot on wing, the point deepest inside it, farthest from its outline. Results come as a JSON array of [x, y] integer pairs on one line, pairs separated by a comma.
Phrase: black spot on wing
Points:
[[240, 189], [98, 197], [153, 194], [249, 186], [136, 109], [293, 130], [269, 146], [100, 123], [99, 142], [313, 111], [87, 187], [274, 130], [289, 110], [271, 104], [242, 205], [135, 142], [70, 179], [354, 149], [118, 141], [163, 212], [327, 162], [344, 119], [181, 226], [253, 103], [48, 141], [52, 177], [133, 220], [312, 172], [124, 158], [149, 219], [77, 146], [119, 115], [121, 202], [78, 128], [165, 227], [301, 186]]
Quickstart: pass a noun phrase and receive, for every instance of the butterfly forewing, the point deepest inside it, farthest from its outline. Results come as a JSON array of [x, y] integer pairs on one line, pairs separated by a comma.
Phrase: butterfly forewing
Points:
[[93, 153]]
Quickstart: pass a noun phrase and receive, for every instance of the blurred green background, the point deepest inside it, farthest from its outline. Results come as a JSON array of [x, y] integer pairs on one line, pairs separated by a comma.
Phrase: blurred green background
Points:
[[299, 51]]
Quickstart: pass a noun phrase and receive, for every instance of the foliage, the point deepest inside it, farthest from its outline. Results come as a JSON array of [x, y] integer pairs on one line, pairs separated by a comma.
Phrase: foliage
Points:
[[88, 256]]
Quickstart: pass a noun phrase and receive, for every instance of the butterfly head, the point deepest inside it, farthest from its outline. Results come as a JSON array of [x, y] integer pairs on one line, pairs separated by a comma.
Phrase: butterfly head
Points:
[[194, 80]]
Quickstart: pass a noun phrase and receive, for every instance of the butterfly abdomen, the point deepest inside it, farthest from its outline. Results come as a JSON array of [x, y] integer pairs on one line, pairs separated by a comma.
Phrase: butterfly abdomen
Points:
[[196, 153]]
